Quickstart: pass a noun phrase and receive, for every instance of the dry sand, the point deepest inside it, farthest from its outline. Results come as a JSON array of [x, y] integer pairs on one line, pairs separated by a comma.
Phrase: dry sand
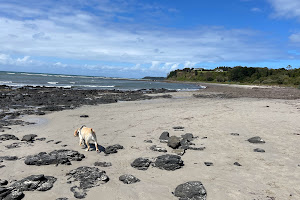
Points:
[[274, 174]]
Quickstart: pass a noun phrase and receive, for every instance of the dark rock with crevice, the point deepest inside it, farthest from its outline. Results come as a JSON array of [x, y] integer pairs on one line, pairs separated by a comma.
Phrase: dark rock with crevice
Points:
[[168, 162], [237, 164], [128, 179], [62, 156], [141, 163], [85, 178], [192, 190]]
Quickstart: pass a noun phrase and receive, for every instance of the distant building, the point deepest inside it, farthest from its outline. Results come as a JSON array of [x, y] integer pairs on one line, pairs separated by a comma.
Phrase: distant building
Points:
[[218, 70], [198, 69]]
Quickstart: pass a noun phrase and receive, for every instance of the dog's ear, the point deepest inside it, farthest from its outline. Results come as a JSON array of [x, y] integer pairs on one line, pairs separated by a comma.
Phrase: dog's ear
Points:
[[76, 133]]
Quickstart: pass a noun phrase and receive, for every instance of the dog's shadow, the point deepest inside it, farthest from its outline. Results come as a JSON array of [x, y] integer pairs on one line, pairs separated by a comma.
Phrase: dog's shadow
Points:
[[93, 148]]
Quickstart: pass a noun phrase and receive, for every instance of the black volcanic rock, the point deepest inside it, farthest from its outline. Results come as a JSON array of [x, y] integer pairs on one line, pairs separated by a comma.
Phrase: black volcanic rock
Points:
[[31, 183], [29, 137], [63, 156], [85, 178], [4, 137], [128, 179], [192, 190], [259, 150], [174, 142], [103, 164], [164, 137], [113, 149], [141, 163], [8, 158], [188, 136], [256, 139], [168, 162]]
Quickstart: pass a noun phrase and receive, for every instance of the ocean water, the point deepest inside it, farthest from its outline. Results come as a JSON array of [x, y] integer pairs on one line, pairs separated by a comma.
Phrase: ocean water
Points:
[[19, 79]]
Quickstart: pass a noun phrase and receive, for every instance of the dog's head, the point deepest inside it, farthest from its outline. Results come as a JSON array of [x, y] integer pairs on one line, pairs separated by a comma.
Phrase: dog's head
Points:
[[76, 133]]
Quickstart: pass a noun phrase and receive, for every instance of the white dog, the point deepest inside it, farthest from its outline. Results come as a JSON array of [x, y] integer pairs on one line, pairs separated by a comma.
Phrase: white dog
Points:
[[86, 134]]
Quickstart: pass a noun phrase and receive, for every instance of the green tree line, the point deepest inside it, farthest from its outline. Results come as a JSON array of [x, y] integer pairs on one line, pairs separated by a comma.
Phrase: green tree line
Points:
[[245, 75]]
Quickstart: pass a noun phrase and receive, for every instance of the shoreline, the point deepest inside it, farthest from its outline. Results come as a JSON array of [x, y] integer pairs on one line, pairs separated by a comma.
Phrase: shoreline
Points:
[[212, 118]]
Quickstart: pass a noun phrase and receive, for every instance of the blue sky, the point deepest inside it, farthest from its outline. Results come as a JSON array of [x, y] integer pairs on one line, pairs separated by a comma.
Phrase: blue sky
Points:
[[136, 38]]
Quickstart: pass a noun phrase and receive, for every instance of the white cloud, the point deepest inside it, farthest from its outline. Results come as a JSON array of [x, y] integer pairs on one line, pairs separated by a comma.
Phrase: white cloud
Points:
[[295, 38], [286, 8], [69, 32], [256, 10]]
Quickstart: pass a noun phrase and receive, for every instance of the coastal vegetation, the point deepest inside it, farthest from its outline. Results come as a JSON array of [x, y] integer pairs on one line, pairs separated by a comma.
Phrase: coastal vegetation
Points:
[[242, 75]]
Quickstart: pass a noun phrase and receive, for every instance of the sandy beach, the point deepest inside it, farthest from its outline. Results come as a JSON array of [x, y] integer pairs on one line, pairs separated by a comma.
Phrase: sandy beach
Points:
[[274, 174]]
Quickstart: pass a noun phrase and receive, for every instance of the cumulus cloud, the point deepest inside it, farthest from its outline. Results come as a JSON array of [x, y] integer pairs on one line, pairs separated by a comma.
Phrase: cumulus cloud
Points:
[[286, 8]]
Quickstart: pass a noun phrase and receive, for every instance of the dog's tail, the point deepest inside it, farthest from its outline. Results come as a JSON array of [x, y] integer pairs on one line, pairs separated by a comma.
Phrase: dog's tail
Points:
[[82, 127]]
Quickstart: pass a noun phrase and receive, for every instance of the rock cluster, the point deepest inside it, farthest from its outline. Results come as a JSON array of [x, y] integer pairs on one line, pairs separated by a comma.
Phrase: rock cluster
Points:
[[87, 177], [183, 142], [30, 183], [62, 156], [31, 100]]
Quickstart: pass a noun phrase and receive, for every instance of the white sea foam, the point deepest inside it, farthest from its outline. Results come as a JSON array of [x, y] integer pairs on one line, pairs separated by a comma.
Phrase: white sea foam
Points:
[[11, 73], [52, 83], [97, 86], [5, 82], [72, 82]]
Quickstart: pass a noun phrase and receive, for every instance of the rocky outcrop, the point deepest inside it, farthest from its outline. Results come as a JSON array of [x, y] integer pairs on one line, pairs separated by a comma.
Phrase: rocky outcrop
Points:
[[85, 178], [63, 156], [193, 190]]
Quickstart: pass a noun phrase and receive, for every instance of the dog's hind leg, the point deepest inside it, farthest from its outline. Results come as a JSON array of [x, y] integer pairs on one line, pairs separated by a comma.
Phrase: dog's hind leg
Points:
[[88, 145], [96, 145]]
